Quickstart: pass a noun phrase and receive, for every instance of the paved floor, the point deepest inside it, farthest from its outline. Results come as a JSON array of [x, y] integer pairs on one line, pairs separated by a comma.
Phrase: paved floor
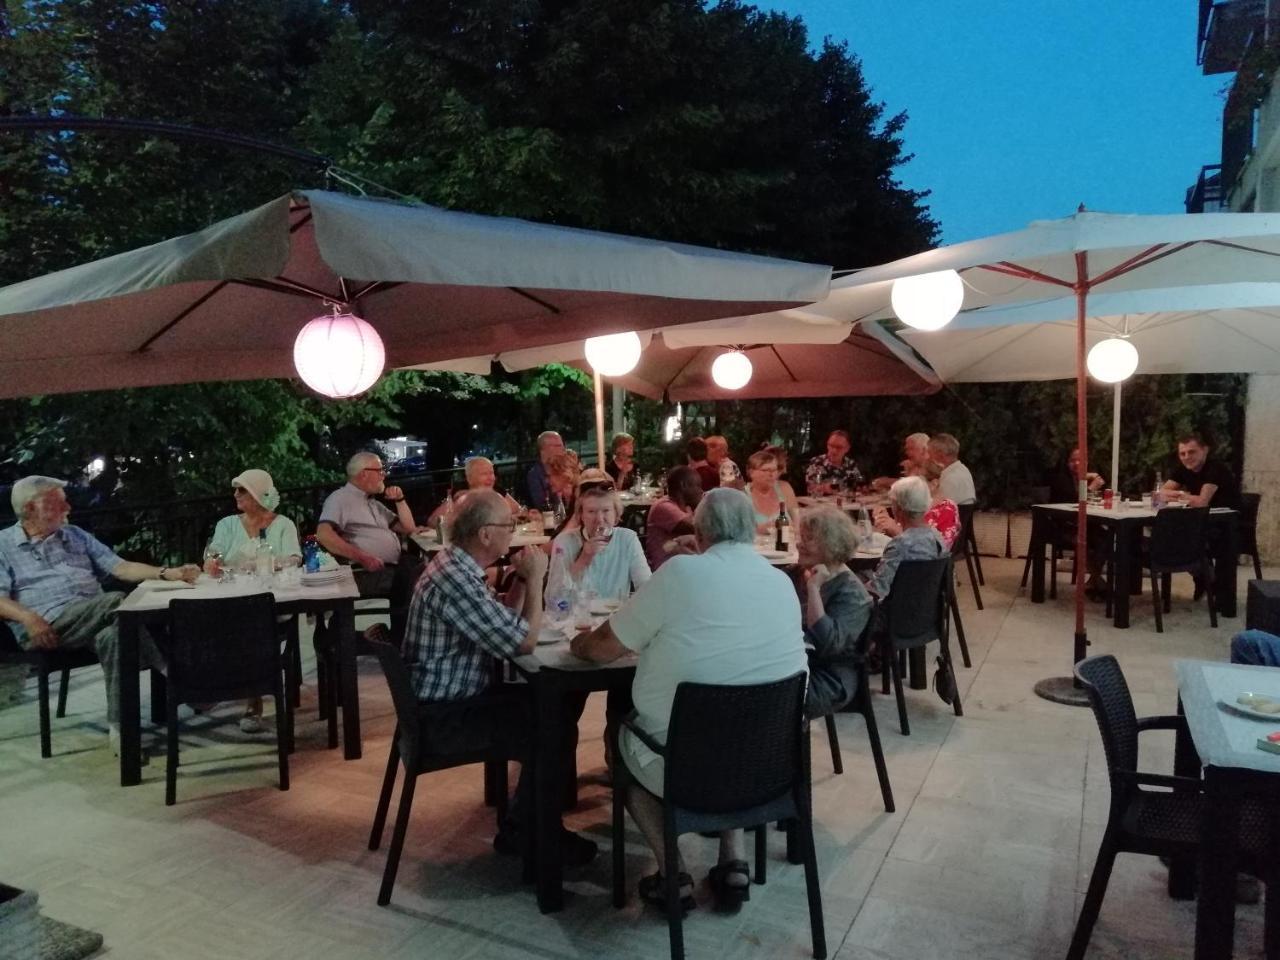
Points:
[[999, 817]]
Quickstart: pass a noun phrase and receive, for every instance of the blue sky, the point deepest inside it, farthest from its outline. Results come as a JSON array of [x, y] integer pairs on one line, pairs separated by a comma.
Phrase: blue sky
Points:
[[1021, 111]]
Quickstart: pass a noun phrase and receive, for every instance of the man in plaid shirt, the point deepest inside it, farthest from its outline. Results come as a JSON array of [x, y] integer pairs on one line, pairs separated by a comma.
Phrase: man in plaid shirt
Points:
[[457, 630]]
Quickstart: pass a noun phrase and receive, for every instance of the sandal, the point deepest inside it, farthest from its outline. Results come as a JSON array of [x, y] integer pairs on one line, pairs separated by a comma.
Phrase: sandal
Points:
[[653, 890], [730, 896]]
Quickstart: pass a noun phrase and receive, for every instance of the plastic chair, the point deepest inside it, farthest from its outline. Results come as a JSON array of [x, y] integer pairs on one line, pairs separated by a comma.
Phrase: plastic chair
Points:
[[861, 703], [225, 649], [46, 662], [419, 744], [966, 548], [1249, 504], [735, 756], [1164, 822], [1177, 545], [915, 616]]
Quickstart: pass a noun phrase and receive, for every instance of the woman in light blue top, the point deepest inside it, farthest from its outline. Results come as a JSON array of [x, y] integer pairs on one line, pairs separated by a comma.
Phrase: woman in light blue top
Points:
[[767, 494], [235, 539], [596, 554]]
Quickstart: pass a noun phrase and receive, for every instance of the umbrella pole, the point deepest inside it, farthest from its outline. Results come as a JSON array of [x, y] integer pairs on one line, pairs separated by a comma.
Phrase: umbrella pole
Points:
[[1115, 441], [599, 389], [1067, 689]]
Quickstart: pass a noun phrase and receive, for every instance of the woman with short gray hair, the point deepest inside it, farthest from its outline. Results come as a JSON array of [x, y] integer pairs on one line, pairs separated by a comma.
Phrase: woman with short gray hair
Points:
[[837, 607], [918, 541]]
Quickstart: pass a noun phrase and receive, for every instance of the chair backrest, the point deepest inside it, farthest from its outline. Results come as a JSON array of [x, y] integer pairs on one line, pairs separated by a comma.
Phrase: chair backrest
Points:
[[916, 608], [1178, 537], [1249, 504], [402, 695], [734, 747], [224, 648], [1113, 709], [862, 646], [960, 546]]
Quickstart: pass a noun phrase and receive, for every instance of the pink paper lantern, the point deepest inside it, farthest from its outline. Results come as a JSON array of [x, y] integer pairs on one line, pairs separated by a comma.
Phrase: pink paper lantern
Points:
[[339, 355]]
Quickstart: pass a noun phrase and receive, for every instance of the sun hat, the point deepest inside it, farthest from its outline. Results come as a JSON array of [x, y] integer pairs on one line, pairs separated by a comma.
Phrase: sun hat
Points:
[[260, 487]]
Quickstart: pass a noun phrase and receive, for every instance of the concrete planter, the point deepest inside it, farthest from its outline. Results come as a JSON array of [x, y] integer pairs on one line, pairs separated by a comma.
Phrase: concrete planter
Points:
[[19, 924]]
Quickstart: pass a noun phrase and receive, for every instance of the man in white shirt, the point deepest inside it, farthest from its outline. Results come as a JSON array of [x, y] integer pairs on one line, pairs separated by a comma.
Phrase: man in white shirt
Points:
[[724, 616], [956, 482]]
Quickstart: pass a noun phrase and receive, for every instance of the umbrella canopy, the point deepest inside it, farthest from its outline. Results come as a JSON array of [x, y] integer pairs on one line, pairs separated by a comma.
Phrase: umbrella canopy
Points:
[[226, 303]]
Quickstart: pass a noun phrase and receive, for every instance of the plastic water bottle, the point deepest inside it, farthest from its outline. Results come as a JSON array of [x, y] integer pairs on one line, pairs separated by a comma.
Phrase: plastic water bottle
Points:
[[264, 561], [311, 555], [728, 472], [1157, 495]]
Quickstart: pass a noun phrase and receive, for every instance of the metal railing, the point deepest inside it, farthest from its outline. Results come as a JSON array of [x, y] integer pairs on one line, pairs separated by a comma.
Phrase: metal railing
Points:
[[1206, 196]]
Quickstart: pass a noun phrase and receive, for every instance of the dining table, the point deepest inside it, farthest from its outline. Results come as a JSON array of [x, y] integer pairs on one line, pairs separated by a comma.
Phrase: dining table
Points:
[[428, 542], [148, 605], [1122, 525], [1220, 745]]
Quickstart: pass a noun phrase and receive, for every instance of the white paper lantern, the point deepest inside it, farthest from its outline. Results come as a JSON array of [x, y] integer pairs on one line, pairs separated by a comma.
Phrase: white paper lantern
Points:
[[1112, 360], [732, 370], [928, 301], [339, 355], [613, 355]]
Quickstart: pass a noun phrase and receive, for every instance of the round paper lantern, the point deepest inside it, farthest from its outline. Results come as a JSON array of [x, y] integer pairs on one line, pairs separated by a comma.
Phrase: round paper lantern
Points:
[[613, 355], [1112, 360], [339, 355], [731, 370], [928, 301]]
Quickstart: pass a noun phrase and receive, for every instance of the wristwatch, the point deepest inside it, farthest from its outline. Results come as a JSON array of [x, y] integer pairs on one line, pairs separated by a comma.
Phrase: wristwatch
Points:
[[163, 571]]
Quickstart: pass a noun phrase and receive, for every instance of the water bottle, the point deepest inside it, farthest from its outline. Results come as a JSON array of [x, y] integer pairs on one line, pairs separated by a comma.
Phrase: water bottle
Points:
[[864, 525], [264, 562], [1157, 495], [728, 472], [311, 555]]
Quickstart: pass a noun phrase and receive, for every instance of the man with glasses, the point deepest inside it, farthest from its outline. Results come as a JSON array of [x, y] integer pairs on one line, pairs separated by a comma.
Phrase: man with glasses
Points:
[[357, 527], [834, 471]]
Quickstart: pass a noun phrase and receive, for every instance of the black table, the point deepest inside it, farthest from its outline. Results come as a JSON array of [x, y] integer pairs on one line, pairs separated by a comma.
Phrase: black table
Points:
[[150, 606], [1123, 529], [553, 672]]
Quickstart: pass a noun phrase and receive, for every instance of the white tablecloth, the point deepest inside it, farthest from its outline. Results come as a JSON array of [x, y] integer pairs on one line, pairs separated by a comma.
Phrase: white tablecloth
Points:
[[1223, 737]]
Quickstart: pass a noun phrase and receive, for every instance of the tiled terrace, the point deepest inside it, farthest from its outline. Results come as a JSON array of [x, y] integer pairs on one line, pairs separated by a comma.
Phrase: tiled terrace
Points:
[[999, 816]]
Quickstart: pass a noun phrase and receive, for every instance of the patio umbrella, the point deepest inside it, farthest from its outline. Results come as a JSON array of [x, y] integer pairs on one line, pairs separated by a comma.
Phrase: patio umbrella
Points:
[[226, 302], [1084, 255]]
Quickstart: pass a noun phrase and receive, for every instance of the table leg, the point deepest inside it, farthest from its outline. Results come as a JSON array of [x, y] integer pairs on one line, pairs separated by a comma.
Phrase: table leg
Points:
[[1225, 563], [1038, 524], [343, 626], [130, 709], [1216, 904], [917, 669], [1121, 589], [548, 792], [1186, 763]]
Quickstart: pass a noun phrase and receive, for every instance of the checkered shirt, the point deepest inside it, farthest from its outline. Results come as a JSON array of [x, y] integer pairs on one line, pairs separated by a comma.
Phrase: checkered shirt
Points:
[[50, 574]]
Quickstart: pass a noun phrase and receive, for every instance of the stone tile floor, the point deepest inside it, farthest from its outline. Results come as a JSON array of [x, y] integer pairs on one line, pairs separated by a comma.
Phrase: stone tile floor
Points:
[[998, 820]]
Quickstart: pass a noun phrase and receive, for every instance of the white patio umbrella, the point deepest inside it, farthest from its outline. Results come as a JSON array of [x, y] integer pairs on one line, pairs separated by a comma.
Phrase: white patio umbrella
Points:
[[1085, 255]]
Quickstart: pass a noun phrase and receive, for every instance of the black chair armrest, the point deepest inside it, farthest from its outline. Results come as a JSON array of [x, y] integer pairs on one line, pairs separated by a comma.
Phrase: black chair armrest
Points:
[[630, 722], [1161, 780], [1164, 722]]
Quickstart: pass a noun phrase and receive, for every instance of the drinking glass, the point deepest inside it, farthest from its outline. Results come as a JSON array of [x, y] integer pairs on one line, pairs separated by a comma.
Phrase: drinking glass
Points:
[[214, 557]]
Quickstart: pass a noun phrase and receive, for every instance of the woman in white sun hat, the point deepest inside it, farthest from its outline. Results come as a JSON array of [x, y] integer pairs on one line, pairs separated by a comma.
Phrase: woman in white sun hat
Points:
[[235, 539]]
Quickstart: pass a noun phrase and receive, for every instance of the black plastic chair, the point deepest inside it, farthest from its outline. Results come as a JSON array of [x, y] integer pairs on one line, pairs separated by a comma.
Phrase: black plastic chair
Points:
[[915, 615], [416, 744], [225, 649], [861, 703], [735, 756], [1178, 545], [46, 662], [1164, 822], [966, 548], [1249, 504]]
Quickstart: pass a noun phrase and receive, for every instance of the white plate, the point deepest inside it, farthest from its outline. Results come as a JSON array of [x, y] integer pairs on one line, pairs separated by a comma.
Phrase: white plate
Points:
[[606, 608], [1251, 712], [550, 635], [321, 578]]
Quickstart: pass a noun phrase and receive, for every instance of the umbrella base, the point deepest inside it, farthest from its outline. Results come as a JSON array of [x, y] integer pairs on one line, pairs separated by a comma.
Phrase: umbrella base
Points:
[[1062, 690]]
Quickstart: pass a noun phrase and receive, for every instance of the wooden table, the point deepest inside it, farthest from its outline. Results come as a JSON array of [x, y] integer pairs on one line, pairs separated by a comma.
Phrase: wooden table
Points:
[[1223, 746], [553, 671], [149, 604], [1124, 528]]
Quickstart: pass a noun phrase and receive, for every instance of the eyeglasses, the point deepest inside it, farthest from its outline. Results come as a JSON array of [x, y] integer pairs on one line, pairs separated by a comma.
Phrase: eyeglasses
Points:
[[236, 491], [374, 470], [509, 525]]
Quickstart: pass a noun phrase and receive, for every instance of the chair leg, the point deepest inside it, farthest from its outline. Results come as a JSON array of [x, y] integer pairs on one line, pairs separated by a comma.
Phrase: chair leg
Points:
[[1026, 573], [64, 687], [762, 854], [954, 604], [294, 649], [951, 672], [977, 560], [397, 839], [816, 926], [384, 798], [1092, 900], [501, 800], [877, 752], [833, 740], [902, 700], [1054, 556], [1156, 603], [1166, 585], [1257, 565], [886, 652], [1210, 595], [283, 736], [46, 739], [322, 688], [171, 754], [973, 578], [331, 679], [671, 887]]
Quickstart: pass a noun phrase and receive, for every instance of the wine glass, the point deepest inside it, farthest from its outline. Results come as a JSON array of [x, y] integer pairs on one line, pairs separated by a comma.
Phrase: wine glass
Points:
[[213, 562]]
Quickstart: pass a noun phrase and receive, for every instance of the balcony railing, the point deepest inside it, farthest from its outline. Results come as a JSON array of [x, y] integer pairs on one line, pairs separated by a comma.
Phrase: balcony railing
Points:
[[1227, 27], [1206, 196]]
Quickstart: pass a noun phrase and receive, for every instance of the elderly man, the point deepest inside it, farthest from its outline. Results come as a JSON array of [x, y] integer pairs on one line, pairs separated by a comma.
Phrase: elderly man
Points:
[[457, 631], [1199, 480], [917, 541], [956, 483], [727, 471], [833, 471], [355, 526], [669, 526], [724, 616], [541, 496], [51, 576], [480, 475], [915, 454]]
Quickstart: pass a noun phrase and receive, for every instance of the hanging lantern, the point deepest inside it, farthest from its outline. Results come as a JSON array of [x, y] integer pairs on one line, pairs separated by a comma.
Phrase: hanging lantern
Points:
[[731, 370], [613, 355], [339, 355], [928, 301], [1112, 360]]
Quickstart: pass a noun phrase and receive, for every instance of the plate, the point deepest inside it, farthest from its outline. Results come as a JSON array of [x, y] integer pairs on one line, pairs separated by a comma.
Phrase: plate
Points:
[[1252, 711], [774, 554], [321, 578]]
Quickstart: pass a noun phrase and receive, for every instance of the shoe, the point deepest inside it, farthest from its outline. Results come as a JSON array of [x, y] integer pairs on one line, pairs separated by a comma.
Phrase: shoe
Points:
[[251, 723], [575, 850], [730, 896], [651, 891]]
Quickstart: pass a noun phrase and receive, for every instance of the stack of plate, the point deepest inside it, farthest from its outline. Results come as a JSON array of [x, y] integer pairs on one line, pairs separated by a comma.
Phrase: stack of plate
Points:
[[322, 578]]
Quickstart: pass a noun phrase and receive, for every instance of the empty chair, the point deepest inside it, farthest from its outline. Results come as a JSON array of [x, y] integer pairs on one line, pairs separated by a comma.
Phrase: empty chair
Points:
[[915, 615], [966, 548], [735, 757], [46, 662], [1178, 545], [225, 649]]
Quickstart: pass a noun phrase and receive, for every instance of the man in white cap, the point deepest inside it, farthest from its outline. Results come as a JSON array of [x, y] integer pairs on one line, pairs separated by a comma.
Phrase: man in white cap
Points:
[[51, 576]]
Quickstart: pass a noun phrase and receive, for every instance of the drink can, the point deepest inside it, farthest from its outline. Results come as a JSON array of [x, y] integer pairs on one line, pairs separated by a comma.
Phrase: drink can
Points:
[[1108, 499]]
